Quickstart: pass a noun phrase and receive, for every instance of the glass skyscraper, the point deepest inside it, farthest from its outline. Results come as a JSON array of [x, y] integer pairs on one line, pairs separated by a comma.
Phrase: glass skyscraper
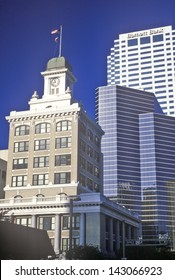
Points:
[[139, 157], [117, 113], [157, 162], [146, 60]]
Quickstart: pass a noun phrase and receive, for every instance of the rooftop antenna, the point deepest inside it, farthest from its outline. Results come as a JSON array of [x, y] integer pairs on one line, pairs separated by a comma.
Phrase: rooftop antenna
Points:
[[58, 31]]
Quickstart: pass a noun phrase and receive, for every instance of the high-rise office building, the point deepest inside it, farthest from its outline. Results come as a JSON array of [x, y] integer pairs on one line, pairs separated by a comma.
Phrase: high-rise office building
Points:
[[139, 157], [117, 111], [146, 60], [157, 164], [55, 170]]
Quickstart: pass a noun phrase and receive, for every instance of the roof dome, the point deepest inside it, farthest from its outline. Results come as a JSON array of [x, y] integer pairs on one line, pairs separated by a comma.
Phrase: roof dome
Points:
[[58, 63]]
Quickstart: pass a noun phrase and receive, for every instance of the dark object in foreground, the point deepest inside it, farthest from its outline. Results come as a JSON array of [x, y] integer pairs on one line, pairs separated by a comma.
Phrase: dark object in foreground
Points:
[[23, 243]]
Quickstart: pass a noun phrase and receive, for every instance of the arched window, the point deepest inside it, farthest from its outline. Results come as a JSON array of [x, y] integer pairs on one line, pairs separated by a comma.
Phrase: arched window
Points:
[[22, 130], [63, 196], [40, 197], [18, 198], [42, 128], [64, 125]]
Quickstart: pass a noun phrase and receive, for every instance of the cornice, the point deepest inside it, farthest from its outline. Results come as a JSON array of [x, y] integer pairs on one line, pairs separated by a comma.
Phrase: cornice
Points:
[[40, 115]]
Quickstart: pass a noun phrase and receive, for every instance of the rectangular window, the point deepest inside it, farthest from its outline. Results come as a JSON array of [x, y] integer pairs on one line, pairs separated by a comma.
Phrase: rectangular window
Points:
[[42, 144], [65, 243], [61, 160], [82, 163], [90, 135], [25, 221], [19, 181], [64, 142], [89, 151], [40, 162], [82, 145], [62, 178], [82, 180], [158, 38], [145, 40], [20, 163], [96, 156], [132, 42], [75, 222], [97, 172], [40, 179], [46, 223], [21, 146], [90, 167], [89, 183]]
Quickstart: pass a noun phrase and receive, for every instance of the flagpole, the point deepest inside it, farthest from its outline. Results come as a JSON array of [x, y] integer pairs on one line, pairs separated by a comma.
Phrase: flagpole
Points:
[[60, 40]]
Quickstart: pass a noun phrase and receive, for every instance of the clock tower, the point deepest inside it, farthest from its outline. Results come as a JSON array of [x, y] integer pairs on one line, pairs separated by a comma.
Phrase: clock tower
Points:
[[58, 85]]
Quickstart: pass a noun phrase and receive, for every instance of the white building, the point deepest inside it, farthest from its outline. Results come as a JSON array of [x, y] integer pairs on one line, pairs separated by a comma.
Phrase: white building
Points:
[[146, 60], [54, 158]]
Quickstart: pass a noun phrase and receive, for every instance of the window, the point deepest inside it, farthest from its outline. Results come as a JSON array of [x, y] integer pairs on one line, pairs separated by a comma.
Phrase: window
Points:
[[90, 167], [42, 128], [40, 162], [65, 243], [24, 221], [17, 198], [96, 172], [19, 181], [61, 160], [20, 163], [75, 222], [132, 42], [40, 179], [63, 126], [82, 180], [64, 142], [96, 156], [90, 184], [89, 151], [40, 197], [42, 144], [90, 135], [62, 178], [158, 38], [46, 223], [82, 145], [97, 141], [82, 128], [145, 40], [22, 130], [21, 146], [82, 163]]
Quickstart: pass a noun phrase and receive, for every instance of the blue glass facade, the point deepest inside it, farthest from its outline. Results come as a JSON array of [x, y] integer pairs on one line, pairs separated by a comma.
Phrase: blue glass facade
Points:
[[117, 113], [139, 157], [157, 157]]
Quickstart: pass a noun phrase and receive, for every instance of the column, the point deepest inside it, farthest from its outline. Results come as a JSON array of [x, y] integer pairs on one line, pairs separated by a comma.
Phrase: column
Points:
[[111, 250], [129, 233], [123, 239], [57, 233], [33, 223], [117, 235], [82, 229]]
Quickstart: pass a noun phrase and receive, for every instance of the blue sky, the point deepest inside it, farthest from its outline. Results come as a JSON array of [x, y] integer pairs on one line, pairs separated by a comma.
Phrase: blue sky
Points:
[[89, 30]]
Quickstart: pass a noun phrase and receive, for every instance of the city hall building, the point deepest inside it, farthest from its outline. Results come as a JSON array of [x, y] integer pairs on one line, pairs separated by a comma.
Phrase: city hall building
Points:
[[145, 60], [55, 170]]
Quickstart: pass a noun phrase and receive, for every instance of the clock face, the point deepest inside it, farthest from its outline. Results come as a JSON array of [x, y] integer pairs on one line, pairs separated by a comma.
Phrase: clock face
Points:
[[55, 82]]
